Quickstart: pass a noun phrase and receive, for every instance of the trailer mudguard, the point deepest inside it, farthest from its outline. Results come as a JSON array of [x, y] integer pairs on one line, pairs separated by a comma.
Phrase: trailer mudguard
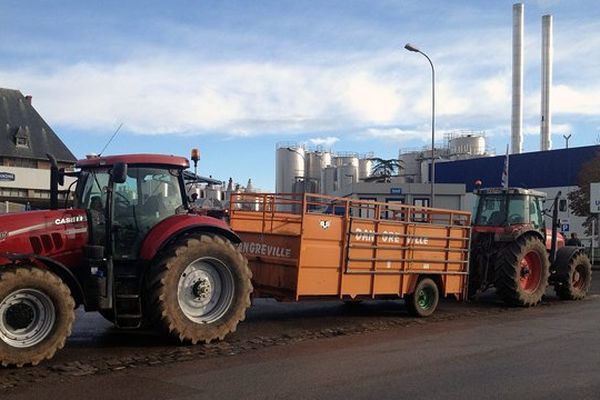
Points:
[[177, 226]]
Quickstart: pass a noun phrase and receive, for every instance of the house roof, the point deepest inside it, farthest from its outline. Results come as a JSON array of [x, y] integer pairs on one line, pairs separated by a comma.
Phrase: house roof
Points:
[[18, 118]]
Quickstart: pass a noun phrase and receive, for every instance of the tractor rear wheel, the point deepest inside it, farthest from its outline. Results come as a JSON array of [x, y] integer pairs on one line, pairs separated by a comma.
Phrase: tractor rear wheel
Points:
[[36, 315], [522, 272], [575, 278], [424, 300], [199, 289]]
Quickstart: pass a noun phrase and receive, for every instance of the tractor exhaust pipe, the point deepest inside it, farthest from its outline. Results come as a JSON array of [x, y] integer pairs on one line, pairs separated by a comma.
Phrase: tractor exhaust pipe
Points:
[[57, 178], [554, 227]]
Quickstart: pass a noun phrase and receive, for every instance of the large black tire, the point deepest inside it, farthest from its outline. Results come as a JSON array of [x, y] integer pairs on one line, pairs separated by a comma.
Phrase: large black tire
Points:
[[522, 270], [574, 279], [183, 283], [424, 300], [36, 315]]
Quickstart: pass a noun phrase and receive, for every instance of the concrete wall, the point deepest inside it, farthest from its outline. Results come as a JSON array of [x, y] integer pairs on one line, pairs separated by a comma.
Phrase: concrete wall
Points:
[[447, 195], [30, 178]]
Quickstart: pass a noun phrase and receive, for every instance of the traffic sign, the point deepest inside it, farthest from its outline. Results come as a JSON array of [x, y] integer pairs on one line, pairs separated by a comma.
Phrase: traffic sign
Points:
[[564, 228]]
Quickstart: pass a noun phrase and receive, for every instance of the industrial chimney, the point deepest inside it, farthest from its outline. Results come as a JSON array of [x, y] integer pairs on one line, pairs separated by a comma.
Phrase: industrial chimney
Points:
[[517, 81], [546, 118]]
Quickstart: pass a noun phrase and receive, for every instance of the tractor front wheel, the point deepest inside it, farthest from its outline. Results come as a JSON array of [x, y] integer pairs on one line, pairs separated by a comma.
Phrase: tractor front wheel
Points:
[[199, 289], [575, 278], [36, 315], [522, 272]]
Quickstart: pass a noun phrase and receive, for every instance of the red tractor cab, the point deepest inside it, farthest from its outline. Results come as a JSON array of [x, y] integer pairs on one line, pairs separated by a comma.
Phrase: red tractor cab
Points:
[[130, 247], [513, 249]]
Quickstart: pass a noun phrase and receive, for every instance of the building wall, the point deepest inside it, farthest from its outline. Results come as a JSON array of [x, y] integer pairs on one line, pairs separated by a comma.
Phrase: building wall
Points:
[[31, 185], [545, 171], [450, 196]]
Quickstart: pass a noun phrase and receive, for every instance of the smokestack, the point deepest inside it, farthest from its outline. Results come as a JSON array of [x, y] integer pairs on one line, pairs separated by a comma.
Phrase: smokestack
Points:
[[28, 99], [516, 127], [546, 122]]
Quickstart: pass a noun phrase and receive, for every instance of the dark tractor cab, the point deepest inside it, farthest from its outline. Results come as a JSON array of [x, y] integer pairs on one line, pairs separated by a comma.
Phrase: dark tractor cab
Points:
[[509, 208]]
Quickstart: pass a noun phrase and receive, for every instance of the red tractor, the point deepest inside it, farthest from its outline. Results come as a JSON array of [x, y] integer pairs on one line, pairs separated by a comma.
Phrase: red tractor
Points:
[[130, 247], [514, 251]]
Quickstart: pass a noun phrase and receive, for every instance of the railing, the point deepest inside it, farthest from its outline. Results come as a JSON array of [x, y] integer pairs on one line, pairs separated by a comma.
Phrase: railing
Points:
[[308, 203]]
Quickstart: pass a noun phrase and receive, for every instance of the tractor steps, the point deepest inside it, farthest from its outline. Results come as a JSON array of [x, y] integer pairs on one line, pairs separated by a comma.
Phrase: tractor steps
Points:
[[127, 299]]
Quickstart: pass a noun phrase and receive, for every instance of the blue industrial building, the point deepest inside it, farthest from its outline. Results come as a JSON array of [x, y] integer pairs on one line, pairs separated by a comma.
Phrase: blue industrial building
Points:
[[548, 171], [540, 169]]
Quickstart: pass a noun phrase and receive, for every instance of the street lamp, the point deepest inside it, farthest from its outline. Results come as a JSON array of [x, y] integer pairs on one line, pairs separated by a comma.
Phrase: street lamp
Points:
[[410, 47]]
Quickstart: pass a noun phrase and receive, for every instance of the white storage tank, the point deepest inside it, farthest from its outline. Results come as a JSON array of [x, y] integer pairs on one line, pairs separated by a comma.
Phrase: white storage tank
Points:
[[213, 192], [316, 161], [345, 159], [411, 163], [468, 144], [365, 166], [290, 167], [347, 174], [328, 180]]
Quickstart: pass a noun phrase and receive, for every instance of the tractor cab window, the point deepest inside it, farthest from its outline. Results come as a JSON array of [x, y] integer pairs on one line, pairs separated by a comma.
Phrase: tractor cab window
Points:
[[498, 210], [490, 211], [517, 213], [535, 213], [92, 198], [148, 196]]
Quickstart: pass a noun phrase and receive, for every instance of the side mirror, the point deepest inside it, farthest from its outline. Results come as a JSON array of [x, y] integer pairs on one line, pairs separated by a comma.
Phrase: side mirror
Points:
[[562, 205], [119, 173]]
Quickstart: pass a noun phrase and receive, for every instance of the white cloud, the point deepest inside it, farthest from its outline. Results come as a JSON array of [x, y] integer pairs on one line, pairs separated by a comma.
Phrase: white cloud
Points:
[[580, 101], [176, 94], [396, 134], [372, 100], [324, 141], [557, 129]]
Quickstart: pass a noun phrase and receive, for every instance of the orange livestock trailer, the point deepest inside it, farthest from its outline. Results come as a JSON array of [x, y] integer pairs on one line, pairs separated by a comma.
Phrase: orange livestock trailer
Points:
[[306, 246]]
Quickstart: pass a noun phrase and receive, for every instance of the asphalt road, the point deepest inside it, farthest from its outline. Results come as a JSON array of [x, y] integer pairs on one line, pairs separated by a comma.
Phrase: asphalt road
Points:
[[328, 351]]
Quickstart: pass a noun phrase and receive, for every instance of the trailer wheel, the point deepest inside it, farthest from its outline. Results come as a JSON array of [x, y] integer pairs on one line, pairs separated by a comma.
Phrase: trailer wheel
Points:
[[199, 289], [575, 278], [36, 315], [522, 272], [424, 300]]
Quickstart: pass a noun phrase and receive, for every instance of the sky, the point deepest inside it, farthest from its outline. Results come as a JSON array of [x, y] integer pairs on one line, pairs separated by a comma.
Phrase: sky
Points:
[[234, 78]]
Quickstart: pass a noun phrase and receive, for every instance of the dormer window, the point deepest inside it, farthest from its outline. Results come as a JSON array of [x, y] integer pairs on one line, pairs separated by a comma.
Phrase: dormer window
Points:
[[22, 142], [22, 138]]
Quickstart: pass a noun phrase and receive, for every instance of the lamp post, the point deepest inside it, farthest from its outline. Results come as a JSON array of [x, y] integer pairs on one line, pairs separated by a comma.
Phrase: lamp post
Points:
[[410, 47]]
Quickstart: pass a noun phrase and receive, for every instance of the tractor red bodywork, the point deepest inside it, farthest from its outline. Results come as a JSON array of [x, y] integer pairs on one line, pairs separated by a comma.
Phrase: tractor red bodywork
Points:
[[57, 239]]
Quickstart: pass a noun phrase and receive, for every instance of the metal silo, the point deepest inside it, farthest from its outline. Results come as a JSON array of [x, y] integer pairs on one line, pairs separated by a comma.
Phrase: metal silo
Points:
[[289, 164], [316, 161], [347, 174], [467, 145], [328, 178], [365, 165], [345, 159], [411, 163]]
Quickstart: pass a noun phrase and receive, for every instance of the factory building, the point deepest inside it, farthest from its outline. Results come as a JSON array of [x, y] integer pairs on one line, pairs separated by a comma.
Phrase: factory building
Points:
[[348, 174], [547, 171], [25, 141]]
